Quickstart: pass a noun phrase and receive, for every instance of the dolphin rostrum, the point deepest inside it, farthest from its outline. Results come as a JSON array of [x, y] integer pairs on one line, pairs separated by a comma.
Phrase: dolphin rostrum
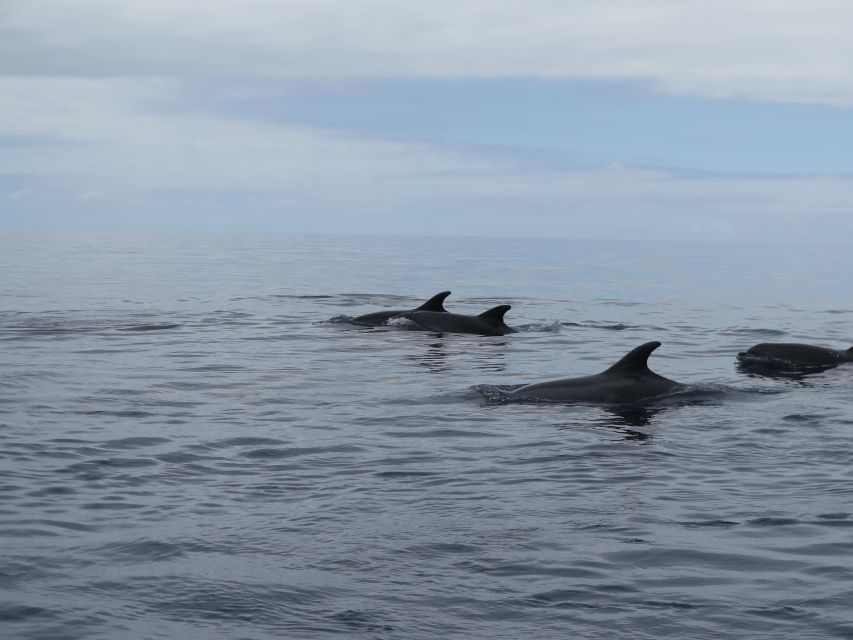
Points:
[[433, 305], [629, 380], [488, 323], [793, 355]]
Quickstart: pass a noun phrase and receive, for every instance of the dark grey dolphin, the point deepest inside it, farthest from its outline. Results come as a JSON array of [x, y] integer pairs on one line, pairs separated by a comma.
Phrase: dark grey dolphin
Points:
[[629, 380], [793, 355], [377, 318], [488, 323]]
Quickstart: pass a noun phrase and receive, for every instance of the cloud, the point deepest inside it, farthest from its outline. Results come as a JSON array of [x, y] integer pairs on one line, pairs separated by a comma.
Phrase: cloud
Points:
[[109, 117], [108, 129], [783, 50], [108, 154]]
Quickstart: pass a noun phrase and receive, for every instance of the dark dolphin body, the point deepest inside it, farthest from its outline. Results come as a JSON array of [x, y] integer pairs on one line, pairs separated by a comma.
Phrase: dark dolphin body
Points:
[[377, 318], [790, 355], [629, 380], [488, 323]]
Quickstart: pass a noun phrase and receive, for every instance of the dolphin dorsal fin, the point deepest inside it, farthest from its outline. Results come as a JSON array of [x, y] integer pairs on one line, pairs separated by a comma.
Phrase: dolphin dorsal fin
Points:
[[637, 359], [496, 314], [434, 303]]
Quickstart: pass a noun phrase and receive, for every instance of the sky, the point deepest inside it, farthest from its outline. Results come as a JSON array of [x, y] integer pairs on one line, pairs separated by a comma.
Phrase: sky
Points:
[[669, 119]]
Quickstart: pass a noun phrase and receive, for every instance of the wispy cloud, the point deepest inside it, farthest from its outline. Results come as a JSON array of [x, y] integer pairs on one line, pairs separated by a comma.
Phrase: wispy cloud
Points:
[[133, 114], [114, 153], [789, 50]]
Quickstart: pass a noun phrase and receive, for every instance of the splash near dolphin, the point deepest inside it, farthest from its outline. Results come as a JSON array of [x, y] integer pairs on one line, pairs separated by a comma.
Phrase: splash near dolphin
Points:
[[377, 318], [629, 380]]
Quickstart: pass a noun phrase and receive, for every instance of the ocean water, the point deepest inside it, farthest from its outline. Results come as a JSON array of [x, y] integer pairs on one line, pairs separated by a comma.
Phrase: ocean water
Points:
[[190, 448]]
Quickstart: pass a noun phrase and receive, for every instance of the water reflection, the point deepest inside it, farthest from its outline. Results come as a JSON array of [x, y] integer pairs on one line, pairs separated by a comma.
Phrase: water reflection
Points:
[[627, 419], [490, 356], [631, 415], [799, 374], [624, 419], [438, 355], [434, 358]]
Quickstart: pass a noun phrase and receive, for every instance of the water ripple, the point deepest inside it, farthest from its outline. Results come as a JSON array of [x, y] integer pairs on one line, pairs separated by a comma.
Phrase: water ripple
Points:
[[188, 449]]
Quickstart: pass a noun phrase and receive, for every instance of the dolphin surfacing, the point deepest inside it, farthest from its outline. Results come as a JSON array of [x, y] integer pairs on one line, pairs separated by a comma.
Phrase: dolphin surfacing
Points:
[[792, 355], [488, 323], [629, 380], [377, 318]]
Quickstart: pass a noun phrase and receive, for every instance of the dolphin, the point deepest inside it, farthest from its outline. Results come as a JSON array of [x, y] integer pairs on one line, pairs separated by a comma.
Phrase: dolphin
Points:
[[488, 323], [792, 355], [433, 305], [629, 380]]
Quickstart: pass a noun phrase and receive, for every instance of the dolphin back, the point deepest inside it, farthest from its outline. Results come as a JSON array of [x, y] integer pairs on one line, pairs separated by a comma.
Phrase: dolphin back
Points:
[[378, 318], [488, 323], [496, 314], [435, 303], [793, 354], [636, 360], [629, 380], [495, 318]]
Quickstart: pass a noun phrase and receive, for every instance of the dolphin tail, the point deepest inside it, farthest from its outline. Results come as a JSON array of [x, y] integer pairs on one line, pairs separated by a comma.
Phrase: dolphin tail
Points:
[[434, 303], [496, 314], [636, 360]]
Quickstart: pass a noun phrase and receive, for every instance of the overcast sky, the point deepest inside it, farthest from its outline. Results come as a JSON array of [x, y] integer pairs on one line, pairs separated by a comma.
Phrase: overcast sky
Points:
[[677, 119]]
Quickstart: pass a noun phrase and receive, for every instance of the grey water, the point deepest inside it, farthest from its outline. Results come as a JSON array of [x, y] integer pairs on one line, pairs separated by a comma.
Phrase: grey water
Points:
[[190, 448]]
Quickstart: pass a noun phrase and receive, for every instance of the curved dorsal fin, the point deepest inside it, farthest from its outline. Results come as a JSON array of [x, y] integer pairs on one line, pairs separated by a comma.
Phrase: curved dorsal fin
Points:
[[496, 314], [434, 303], [637, 359]]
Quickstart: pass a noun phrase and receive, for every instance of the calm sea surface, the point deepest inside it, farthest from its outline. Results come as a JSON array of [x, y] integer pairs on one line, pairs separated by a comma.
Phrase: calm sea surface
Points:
[[189, 448]]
